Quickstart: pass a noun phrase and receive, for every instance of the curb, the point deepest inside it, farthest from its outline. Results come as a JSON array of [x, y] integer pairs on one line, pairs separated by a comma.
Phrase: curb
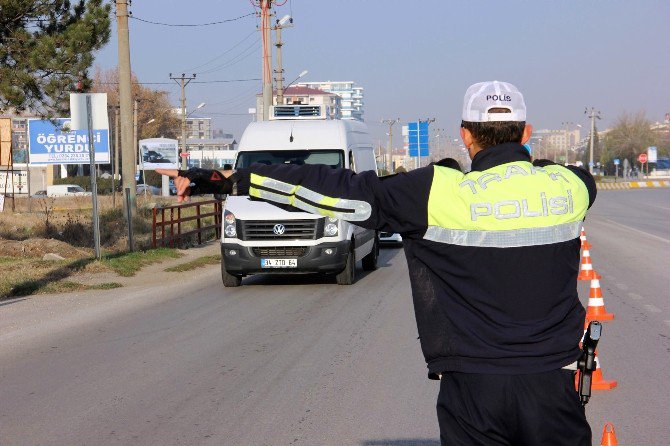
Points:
[[634, 185]]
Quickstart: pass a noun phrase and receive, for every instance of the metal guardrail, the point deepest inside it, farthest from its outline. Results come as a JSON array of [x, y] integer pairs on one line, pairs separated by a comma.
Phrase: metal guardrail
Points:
[[170, 229]]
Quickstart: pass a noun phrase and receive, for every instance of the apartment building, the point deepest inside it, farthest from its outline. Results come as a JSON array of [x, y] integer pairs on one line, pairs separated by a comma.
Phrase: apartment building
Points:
[[351, 96]]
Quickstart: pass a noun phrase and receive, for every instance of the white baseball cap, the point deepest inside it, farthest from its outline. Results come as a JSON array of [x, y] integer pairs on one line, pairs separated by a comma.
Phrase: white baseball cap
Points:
[[483, 96]]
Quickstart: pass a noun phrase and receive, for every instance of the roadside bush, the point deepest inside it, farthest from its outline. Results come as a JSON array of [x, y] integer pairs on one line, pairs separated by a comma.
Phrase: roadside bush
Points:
[[75, 232]]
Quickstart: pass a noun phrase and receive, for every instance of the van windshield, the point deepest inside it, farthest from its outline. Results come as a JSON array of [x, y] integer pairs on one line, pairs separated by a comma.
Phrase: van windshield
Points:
[[332, 158]]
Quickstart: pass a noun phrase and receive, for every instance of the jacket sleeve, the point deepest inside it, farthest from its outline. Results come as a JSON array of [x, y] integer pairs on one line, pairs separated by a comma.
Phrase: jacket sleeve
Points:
[[581, 173], [396, 203]]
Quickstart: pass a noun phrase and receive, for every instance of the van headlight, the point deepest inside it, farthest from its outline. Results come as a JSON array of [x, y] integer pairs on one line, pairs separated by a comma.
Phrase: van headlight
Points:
[[229, 224], [330, 230]]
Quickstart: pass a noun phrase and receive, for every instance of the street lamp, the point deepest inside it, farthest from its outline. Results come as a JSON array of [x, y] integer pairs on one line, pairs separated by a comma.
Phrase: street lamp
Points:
[[201, 105], [302, 74]]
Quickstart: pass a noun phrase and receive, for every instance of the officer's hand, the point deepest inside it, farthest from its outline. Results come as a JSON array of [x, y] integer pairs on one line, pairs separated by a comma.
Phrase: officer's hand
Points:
[[182, 184], [196, 181]]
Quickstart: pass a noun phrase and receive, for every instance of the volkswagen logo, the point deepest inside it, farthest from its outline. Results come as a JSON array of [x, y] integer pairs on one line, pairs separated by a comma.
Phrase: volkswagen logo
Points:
[[279, 229]]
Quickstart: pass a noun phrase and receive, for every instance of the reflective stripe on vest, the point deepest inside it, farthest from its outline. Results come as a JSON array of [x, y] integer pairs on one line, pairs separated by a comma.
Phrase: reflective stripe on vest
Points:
[[307, 199], [510, 205]]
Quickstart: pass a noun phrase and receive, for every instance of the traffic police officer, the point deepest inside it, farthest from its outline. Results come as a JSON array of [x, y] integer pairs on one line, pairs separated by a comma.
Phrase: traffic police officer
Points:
[[493, 257]]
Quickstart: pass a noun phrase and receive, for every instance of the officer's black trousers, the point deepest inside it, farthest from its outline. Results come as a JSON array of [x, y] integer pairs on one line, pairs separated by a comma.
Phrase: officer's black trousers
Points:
[[515, 410]]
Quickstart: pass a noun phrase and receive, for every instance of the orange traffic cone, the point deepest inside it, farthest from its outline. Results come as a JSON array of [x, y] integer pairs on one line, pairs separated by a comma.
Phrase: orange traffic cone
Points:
[[597, 380], [609, 436], [582, 237], [596, 307], [586, 271]]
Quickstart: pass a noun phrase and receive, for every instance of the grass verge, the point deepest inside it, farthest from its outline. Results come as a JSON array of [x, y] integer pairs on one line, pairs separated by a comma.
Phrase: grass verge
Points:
[[24, 276], [128, 264], [193, 264]]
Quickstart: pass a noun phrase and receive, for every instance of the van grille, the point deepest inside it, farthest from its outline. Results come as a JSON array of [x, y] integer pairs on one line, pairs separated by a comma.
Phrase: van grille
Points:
[[281, 251], [293, 230]]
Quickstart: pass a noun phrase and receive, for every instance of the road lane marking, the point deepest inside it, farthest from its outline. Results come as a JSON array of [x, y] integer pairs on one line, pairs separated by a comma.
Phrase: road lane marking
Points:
[[652, 309], [637, 230], [657, 206], [634, 296]]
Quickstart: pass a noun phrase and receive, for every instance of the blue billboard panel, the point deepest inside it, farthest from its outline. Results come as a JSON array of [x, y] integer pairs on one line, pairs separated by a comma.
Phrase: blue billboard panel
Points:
[[417, 138], [50, 142], [415, 152]]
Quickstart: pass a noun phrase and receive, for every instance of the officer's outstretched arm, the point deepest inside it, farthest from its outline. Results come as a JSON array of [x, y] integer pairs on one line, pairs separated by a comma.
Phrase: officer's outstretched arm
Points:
[[397, 203]]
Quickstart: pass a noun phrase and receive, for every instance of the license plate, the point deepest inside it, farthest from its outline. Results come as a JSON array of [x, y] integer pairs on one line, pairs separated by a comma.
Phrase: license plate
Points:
[[279, 263]]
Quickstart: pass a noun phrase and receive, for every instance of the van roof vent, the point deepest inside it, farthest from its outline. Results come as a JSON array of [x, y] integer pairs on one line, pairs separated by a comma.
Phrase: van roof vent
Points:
[[282, 112]]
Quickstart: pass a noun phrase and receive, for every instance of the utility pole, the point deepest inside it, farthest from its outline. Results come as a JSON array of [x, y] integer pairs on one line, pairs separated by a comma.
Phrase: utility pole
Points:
[[125, 102], [438, 135], [115, 165], [592, 114], [427, 120], [279, 72], [183, 81], [135, 107], [389, 150], [267, 57], [567, 125]]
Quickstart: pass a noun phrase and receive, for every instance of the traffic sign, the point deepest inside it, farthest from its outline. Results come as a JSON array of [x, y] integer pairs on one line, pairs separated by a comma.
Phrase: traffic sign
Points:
[[642, 158], [184, 154], [617, 161], [418, 138], [652, 154]]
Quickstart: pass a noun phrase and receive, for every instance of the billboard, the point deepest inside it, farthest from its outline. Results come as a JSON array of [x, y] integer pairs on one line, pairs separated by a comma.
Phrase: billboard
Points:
[[13, 182], [159, 153], [5, 141], [51, 142]]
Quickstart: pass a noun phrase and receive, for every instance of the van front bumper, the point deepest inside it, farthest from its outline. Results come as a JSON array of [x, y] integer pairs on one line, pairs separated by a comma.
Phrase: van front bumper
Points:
[[240, 260]]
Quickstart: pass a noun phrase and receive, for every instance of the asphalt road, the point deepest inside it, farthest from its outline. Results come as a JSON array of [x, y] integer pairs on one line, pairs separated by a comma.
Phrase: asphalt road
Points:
[[300, 360]]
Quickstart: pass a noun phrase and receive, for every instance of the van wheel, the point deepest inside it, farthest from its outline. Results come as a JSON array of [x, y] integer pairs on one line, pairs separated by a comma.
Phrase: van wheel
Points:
[[228, 279], [370, 260], [348, 274]]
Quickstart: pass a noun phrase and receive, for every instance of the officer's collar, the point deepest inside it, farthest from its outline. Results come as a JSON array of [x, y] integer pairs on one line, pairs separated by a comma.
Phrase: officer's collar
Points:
[[500, 154]]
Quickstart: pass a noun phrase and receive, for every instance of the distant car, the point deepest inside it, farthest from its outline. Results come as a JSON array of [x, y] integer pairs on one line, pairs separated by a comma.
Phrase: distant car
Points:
[[390, 238], [40, 194], [64, 190], [151, 190]]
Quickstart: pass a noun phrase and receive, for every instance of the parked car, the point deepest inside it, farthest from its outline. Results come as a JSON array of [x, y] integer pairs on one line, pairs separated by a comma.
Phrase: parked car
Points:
[[65, 190], [151, 190], [40, 194], [388, 238]]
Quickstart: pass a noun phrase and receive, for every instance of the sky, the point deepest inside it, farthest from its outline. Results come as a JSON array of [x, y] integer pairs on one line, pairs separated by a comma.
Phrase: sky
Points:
[[415, 59]]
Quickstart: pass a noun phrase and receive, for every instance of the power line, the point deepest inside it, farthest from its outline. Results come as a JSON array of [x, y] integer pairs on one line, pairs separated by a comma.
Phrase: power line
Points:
[[224, 81], [194, 82], [224, 53], [191, 24], [248, 51]]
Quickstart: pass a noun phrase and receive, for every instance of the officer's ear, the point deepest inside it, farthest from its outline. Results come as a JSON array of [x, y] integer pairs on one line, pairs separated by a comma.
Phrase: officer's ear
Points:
[[467, 138], [527, 132]]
